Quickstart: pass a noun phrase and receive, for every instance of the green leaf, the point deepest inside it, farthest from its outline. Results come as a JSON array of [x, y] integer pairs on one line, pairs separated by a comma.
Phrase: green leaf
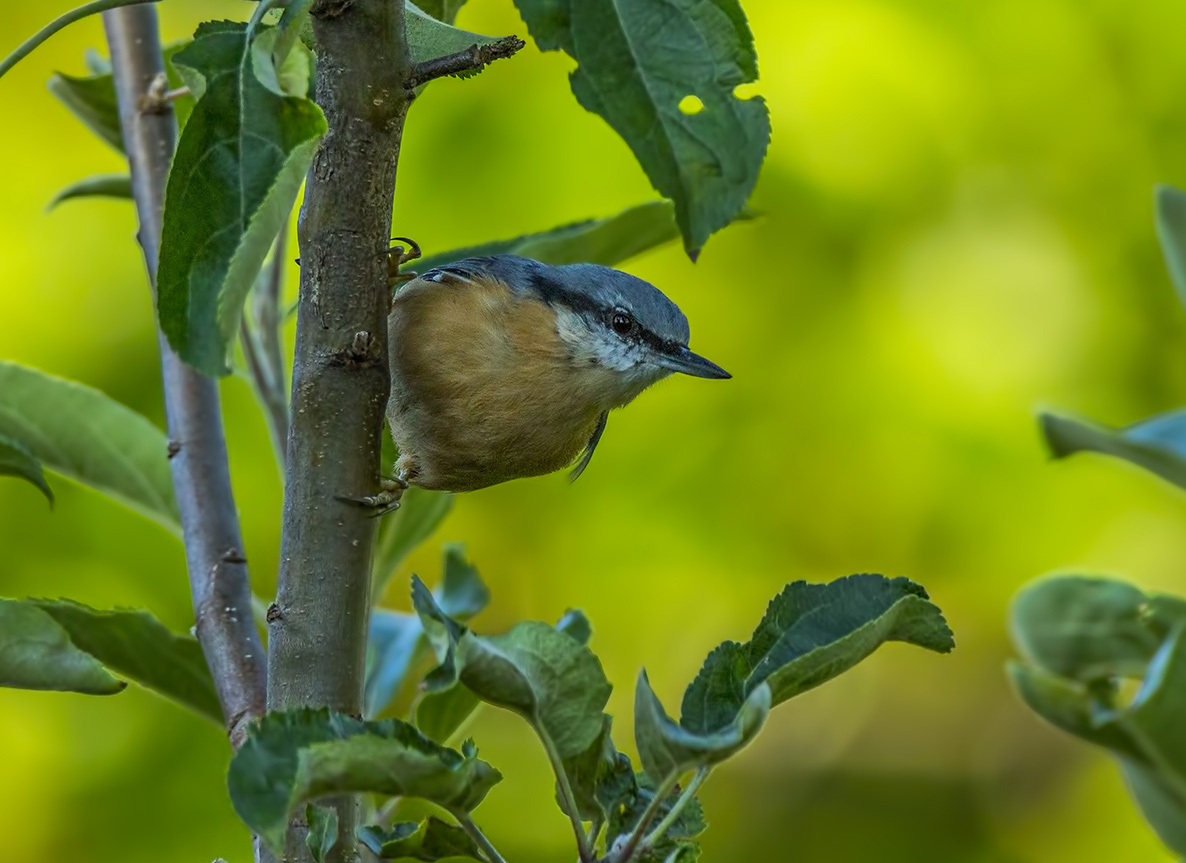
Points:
[[441, 714], [1157, 444], [810, 634], [431, 839], [239, 164], [37, 653], [396, 640], [296, 756], [442, 10], [100, 185], [596, 774], [636, 62], [84, 435], [292, 24], [92, 100], [607, 241], [634, 793], [136, 645], [420, 513], [575, 625], [542, 674], [323, 831], [15, 460], [666, 749], [1084, 628], [1169, 206], [1162, 804]]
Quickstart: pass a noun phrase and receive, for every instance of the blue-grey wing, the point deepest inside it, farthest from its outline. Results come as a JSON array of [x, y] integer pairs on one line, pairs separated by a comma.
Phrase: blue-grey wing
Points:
[[587, 452]]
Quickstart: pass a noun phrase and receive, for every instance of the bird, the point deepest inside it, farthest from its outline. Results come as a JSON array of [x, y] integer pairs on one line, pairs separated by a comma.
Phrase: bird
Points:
[[504, 367]]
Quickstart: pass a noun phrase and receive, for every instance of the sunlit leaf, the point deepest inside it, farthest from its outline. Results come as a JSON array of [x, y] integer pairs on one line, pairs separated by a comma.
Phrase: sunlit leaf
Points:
[[239, 164], [1157, 444], [301, 755], [636, 62], [100, 185], [84, 435], [16, 460], [665, 748], [535, 670], [37, 653], [810, 634], [607, 241], [432, 839], [1084, 628]]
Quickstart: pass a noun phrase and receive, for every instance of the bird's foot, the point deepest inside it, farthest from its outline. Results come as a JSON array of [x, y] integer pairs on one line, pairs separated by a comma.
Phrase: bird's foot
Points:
[[397, 256], [391, 490]]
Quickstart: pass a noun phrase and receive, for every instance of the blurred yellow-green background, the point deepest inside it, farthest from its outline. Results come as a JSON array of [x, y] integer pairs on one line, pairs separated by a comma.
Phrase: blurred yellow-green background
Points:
[[956, 229]]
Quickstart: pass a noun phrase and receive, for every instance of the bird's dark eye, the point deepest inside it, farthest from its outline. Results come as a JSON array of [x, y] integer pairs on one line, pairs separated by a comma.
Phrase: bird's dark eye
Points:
[[622, 323]]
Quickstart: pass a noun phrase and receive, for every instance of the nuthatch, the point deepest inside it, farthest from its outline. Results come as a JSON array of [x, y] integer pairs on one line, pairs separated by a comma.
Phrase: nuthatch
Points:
[[503, 367]]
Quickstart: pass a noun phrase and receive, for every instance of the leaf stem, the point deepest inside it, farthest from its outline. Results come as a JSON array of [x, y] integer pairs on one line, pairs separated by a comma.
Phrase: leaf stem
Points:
[[683, 800], [26, 48], [568, 798], [632, 842], [488, 850]]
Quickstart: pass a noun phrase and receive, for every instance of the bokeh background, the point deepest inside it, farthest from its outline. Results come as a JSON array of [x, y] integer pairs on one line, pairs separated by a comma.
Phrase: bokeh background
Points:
[[956, 229]]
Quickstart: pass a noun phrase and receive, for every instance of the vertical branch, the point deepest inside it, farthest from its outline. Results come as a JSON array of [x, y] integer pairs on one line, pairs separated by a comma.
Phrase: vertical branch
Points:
[[197, 448], [318, 624]]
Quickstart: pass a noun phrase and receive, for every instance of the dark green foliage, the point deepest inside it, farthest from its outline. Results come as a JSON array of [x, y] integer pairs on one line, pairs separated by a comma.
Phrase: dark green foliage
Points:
[[297, 756], [323, 831], [59, 644], [810, 634], [239, 164], [636, 62], [431, 839]]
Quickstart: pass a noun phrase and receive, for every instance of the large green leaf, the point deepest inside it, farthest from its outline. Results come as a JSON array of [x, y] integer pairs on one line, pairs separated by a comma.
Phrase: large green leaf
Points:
[[239, 163], [544, 675], [665, 748], [37, 653], [432, 839], [1170, 221], [810, 634], [82, 434], [1084, 628], [637, 61], [607, 241], [1157, 444], [16, 460], [296, 756], [133, 644]]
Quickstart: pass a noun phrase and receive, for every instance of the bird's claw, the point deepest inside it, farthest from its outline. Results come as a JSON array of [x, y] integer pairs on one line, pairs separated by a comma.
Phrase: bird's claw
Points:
[[391, 490], [397, 256]]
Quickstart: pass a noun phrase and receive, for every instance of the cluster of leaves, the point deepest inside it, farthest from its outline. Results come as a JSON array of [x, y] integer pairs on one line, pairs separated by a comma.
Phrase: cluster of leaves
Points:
[[548, 675], [1083, 638]]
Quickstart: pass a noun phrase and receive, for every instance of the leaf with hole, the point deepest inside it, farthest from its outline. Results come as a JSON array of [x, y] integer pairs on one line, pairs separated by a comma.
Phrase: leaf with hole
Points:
[[636, 62], [239, 163], [297, 756], [82, 434], [810, 634], [1157, 444], [16, 460]]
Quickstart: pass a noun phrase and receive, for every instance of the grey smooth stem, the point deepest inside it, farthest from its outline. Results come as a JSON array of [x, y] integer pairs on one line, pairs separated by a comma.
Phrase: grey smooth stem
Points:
[[198, 456], [318, 625]]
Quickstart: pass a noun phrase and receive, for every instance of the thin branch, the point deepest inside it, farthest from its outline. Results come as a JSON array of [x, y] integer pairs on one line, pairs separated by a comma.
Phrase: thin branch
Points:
[[488, 850], [625, 852], [472, 59], [318, 624], [639, 848], [261, 347], [584, 849], [26, 48], [201, 477]]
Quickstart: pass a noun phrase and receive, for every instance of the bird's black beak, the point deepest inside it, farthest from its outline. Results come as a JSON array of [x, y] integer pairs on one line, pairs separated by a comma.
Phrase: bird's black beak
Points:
[[680, 359]]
